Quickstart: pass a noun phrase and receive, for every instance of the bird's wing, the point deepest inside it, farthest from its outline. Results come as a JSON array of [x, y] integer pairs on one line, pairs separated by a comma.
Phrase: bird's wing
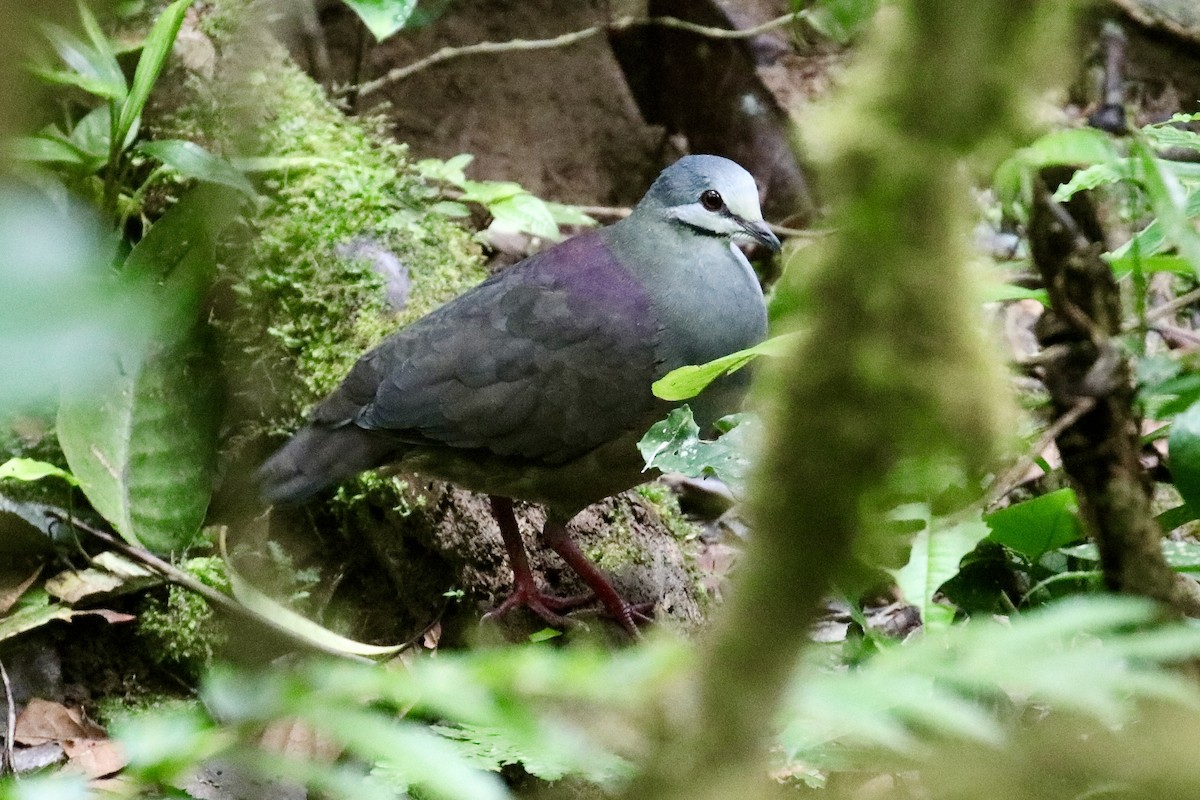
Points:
[[546, 361]]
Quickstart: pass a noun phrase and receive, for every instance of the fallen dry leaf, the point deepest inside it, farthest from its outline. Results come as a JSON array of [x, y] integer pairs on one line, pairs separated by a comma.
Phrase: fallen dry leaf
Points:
[[293, 737], [432, 636], [43, 721], [14, 581], [94, 758], [109, 574]]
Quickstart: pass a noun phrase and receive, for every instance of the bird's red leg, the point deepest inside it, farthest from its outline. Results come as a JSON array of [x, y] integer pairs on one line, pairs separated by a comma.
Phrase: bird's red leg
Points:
[[525, 590], [556, 535]]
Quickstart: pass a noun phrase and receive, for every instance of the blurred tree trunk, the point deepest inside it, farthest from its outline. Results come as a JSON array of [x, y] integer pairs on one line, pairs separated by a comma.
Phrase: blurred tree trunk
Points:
[[891, 367]]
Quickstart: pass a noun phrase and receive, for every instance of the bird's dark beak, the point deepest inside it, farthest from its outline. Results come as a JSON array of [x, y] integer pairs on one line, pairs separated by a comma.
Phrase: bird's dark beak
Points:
[[761, 232]]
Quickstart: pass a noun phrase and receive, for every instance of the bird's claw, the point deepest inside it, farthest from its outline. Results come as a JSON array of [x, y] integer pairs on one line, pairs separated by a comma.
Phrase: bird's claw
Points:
[[630, 615], [549, 608], [552, 609]]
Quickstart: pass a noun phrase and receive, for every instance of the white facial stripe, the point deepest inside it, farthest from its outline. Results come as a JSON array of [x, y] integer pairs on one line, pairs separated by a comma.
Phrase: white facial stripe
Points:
[[698, 216]]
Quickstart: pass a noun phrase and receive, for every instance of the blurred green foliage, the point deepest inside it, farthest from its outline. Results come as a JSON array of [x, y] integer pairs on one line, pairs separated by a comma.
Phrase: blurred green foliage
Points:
[[1075, 675]]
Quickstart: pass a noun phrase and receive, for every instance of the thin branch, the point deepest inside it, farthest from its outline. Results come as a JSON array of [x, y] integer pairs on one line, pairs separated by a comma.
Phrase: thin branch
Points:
[[1012, 478], [1169, 308], [7, 763], [607, 212], [1174, 334], [800, 233], [567, 39]]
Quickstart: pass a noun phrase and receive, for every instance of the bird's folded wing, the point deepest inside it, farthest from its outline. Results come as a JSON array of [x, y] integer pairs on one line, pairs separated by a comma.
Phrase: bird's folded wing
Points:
[[544, 361]]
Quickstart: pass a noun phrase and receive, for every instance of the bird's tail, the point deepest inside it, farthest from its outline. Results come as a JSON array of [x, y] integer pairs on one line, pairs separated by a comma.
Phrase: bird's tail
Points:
[[317, 458]]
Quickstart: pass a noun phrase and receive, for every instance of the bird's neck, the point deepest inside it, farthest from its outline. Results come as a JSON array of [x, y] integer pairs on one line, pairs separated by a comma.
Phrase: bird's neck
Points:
[[705, 294]]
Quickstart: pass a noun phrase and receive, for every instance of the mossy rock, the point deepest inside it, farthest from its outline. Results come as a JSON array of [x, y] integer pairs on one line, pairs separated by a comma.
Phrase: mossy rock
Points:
[[299, 307]]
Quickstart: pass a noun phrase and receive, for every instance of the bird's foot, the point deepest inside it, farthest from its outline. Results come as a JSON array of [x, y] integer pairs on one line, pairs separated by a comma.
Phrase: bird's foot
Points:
[[628, 615], [549, 608]]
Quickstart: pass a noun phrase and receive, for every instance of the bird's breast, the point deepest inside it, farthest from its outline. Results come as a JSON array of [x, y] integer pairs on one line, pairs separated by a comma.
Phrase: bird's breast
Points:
[[716, 309]]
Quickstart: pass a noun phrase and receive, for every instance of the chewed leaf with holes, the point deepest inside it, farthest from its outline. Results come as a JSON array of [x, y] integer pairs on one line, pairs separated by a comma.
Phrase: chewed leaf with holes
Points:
[[674, 445]]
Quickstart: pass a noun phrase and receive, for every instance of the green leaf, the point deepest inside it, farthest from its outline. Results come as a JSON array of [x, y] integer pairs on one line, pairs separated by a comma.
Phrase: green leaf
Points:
[[1003, 292], [417, 755], [570, 215], [52, 786], [1172, 518], [1090, 655], [193, 161], [93, 133], [523, 213], [1125, 265], [1164, 135], [383, 17], [51, 150], [450, 208], [689, 381], [168, 256], [674, 445], [1170, 203], [544, 635], [1181, 556], [99, 69], [1080, 147], [166, 746], [1183, 453], [1037, 526], [1077, 146], [154, 55], [91, 85], [488, 192], [60, 310], [1092, 177], [28, 469], [35, 610], [143, 444], [300, 627], [449, 171], [841, 20], [936, 552], [100, 42]]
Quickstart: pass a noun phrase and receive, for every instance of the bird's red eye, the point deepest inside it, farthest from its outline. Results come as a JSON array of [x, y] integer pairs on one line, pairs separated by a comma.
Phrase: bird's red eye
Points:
[[711, 200]]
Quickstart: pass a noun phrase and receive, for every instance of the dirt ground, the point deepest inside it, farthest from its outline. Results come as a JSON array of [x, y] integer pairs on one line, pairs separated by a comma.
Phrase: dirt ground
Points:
[[579, 124]]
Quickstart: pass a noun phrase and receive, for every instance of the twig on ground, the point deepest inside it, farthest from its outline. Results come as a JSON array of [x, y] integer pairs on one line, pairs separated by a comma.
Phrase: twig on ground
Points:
[[7, 764], [1012, 478], [566, 39], [1167, 309], [1174, 334]]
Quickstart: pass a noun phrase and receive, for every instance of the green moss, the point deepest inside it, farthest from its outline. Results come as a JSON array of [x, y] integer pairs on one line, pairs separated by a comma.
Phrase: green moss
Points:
[[666, 503], [616, 548], [303, 314], [111, 709], [179, 630]]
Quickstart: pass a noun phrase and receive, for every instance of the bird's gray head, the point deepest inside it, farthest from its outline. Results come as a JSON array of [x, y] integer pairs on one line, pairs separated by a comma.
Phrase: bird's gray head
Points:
[[712, 196]]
